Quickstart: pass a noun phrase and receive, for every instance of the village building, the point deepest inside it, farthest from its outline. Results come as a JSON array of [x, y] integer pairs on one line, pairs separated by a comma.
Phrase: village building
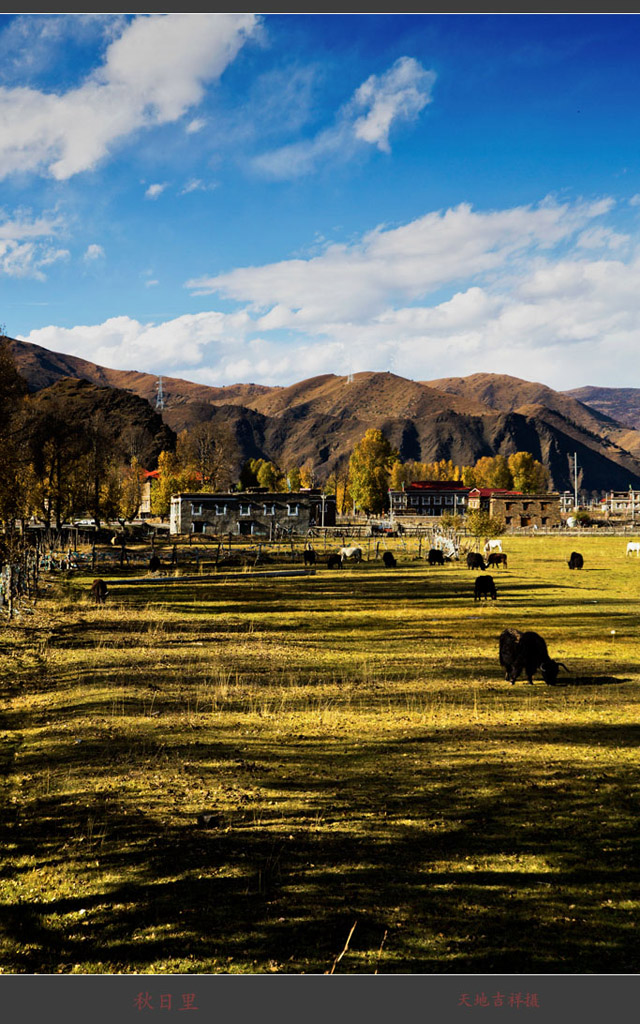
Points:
[[429, 498], [145, 503], [518, 510], [567, 502], [255, 512], [622, 503]]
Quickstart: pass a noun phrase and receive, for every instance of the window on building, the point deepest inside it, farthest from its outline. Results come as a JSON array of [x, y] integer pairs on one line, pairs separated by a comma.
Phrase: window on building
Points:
[[292, 510], [448, 499], [508, 520], [544, 520], [245, 510], [268, 510], [219, 510], [437, 500], [196, 510]]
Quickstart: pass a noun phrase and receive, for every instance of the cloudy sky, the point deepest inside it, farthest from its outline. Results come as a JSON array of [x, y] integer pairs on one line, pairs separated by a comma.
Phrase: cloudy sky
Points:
[[230, 197]]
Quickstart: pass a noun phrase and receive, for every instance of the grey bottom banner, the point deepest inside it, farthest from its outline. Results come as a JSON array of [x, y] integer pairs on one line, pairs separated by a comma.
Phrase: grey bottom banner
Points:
[[152, 999]]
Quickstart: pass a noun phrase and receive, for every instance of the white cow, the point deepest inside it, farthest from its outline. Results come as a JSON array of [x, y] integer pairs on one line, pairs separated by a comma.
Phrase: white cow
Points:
[[633, 545], [350, 553], [492, 545]]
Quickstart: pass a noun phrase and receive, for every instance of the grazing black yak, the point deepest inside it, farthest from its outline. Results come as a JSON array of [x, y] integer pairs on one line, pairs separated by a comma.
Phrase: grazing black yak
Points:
[[435, 557], [389, 560], [334, 562], [528, 652], [475, 561], [576, 561], [495, 559], [309, 556]]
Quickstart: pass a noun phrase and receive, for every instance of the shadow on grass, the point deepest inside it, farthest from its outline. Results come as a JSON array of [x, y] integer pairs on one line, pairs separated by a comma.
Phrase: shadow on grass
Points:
[[470, 866]]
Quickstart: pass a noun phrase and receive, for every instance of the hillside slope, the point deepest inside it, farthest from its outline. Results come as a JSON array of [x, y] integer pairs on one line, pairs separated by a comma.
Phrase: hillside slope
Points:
[[140, 428], [41, 368], [321, 419], [623, 404]]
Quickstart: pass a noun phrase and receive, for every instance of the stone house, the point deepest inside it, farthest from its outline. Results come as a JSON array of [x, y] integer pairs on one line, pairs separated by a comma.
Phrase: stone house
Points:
[[253, 513], [517, 509]]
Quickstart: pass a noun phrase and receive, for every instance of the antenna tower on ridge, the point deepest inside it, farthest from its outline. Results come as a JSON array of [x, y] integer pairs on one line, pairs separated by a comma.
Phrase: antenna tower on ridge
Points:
[[159, 395]]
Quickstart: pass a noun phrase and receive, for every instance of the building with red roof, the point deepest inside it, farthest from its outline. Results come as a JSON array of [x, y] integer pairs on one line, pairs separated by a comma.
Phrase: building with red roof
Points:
[[517, 509]]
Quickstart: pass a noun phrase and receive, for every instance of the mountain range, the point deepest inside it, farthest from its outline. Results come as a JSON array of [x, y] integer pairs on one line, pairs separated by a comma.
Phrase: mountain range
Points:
[[321, 419]]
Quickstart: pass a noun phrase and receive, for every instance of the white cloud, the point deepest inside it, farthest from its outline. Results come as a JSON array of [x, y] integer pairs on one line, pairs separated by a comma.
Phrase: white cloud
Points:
[[454, 292], [196, 125], [26, 244], [94, 252], [399, 94], [153, 73], [380, 102], [196, 185], [398, 264], [30, 45], [602, 238], [124, 343], [155, 190]]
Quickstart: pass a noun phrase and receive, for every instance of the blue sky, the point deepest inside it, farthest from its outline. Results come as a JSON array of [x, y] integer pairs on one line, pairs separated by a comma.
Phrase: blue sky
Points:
[[268, 197]]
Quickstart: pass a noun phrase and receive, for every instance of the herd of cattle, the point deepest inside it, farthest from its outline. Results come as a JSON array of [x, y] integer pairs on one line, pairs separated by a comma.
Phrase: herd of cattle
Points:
[[518, 652]]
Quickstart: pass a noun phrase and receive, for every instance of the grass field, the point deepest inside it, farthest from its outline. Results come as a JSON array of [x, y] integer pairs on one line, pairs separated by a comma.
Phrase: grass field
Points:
[[228, 776]]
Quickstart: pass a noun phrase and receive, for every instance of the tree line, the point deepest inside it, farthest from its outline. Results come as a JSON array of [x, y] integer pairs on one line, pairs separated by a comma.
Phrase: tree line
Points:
[[375, 467], [360, 482]]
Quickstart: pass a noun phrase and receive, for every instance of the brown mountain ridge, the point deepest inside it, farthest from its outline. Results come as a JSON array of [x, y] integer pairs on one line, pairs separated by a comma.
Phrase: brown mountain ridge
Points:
[[321, 419]]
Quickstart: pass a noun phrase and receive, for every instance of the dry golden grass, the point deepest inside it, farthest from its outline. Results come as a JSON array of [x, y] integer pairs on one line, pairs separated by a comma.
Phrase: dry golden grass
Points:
[[224, 777]]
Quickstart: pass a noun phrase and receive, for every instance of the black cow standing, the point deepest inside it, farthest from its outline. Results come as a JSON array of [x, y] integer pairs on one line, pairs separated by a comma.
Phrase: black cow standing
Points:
[[389, 560], [484, 587], [576, 561], [154, 563], [497, 559], [309, 556], [334, 562], [435, 557]]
